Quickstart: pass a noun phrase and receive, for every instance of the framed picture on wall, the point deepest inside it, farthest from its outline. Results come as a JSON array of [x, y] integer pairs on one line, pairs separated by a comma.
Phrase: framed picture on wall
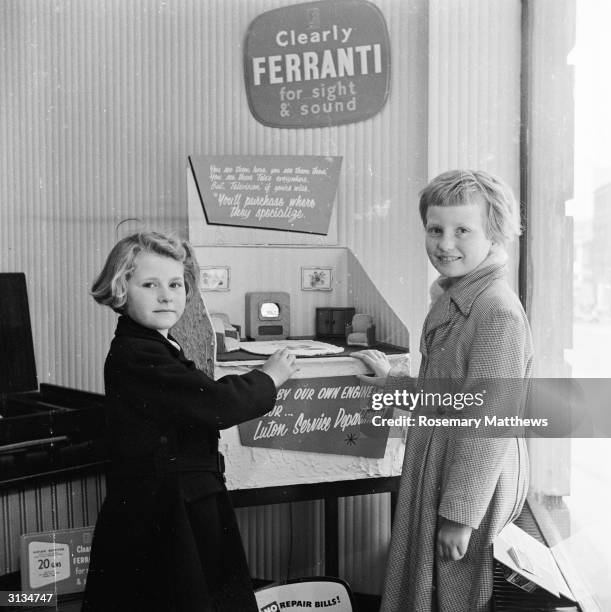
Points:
[[214, 278], [316, 279]]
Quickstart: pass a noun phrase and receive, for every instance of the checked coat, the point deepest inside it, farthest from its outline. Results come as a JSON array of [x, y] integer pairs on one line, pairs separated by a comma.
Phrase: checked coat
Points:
[[475, 330]]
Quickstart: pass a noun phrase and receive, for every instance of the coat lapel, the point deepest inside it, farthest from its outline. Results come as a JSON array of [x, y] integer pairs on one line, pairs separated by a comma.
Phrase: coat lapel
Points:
[[460, 296], [439, 314]]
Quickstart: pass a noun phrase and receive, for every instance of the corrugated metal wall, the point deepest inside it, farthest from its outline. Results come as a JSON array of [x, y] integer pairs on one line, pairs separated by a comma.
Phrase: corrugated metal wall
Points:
[[61, 505], [284, 541], [474, 93], [474, 90], [101, 103], [364, 541], [98, 103]]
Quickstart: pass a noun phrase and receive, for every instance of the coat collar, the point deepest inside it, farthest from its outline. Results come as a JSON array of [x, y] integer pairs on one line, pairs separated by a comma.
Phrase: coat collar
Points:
[[462, 292], [466, 289], [128, 327]]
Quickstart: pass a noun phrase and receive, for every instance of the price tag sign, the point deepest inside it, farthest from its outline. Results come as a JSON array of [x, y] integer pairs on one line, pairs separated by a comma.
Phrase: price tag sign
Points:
[[55, 560], [49, 563]]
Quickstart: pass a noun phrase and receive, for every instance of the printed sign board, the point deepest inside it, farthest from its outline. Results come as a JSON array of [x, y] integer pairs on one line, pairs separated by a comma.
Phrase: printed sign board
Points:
[[285, 192], [330, 594], [55, 560], [317, 64], [321, 415]]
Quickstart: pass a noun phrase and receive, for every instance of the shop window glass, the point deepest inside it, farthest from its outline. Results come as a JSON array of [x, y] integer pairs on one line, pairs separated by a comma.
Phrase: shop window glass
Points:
[[572, 477]]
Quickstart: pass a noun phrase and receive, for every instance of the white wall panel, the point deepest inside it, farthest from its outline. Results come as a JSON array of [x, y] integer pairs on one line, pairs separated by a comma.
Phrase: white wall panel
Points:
[[366, 298]]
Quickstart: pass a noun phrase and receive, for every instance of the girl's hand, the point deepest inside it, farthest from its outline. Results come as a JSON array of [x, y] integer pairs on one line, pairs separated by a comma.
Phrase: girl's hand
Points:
[[280, 367], [376, 361], [452, 540]]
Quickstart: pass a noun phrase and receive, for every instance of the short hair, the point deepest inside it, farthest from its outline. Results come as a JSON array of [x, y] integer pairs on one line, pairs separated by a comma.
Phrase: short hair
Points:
[[455, 187], [110, 286]]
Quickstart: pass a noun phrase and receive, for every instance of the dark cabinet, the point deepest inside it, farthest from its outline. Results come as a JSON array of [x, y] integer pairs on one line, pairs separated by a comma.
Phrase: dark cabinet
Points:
[[44, 430], [331, 322]]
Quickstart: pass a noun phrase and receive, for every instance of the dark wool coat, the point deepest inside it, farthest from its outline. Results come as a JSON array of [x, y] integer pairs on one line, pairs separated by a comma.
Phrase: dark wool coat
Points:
[[476, 330], [166, 537]]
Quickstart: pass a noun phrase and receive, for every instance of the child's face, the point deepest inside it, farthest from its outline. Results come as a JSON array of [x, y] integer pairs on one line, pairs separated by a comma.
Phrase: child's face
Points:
[[156, 292], [456, 240]]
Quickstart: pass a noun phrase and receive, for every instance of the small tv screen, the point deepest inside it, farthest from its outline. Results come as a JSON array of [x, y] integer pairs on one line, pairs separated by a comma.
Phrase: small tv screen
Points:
[[269, 310]]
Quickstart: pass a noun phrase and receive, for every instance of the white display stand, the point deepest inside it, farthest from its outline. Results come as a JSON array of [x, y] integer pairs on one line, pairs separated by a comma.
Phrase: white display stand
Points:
[[248, 467]]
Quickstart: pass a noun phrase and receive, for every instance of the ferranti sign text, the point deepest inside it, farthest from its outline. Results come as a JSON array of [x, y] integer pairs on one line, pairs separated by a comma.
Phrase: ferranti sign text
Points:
[[317, 64]]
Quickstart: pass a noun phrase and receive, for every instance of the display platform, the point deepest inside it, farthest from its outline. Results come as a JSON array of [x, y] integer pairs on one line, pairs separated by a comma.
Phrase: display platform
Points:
[[242, 355], [299, 348], [318, 431]]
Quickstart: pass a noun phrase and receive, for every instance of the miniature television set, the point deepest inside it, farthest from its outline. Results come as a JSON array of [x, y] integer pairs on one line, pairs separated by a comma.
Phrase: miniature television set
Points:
[[268, 315]]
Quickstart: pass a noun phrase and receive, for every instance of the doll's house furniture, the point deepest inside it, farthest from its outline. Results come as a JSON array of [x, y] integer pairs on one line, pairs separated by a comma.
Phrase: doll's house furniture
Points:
[[331, 321], [227, 334], [361, 331]]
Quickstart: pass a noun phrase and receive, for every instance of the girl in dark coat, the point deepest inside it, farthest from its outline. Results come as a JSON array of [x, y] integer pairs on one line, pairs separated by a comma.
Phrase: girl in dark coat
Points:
[[166, 538]]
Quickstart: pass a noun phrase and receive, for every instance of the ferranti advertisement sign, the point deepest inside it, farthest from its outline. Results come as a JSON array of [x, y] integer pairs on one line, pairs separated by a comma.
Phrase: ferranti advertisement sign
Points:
[[317, 64]]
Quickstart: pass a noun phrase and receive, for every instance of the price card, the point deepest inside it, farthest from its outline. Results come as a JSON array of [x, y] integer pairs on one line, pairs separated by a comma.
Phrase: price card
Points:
[[49, 562], [56, 560]]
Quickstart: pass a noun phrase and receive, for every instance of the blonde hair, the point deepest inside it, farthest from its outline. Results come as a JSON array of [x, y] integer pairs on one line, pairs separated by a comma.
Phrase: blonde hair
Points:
[[456, 187], [110, 286]]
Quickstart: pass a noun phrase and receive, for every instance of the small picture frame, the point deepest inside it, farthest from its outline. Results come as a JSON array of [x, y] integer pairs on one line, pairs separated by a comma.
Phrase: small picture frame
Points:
[[316, 279], [214, 278]]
